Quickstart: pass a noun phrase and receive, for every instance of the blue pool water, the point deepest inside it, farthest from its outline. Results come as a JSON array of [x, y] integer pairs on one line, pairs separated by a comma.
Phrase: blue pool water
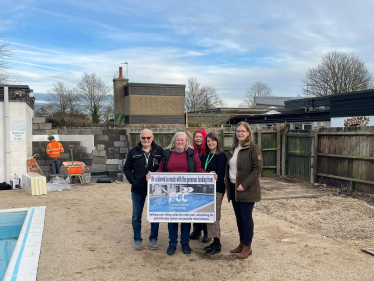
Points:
[[162, 204], [10, 228]]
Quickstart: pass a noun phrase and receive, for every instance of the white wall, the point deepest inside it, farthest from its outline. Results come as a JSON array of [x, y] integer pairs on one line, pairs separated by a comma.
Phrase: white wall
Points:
[[86, 140], [20, 151]]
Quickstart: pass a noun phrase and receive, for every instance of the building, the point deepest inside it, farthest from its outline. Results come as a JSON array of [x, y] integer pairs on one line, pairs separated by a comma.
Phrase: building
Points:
[[16, 114], [149, 104], [266, 102]]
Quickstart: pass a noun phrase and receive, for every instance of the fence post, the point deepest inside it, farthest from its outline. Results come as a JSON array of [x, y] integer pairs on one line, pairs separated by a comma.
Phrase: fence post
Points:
[[278, 152], [259, 139], [284, 152], [313, 157]]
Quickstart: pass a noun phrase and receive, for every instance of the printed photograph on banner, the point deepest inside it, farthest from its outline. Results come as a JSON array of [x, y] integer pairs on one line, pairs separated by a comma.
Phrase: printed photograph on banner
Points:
[[181, 197]]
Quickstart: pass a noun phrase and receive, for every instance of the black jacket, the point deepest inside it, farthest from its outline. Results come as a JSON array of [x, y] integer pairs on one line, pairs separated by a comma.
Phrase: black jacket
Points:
[[136, 168], [190, 157], [217, 164]]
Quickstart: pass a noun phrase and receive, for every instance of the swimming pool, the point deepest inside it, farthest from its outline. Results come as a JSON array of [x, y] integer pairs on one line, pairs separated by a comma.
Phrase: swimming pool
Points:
[[20, 258], [10, 228], [194, 201]]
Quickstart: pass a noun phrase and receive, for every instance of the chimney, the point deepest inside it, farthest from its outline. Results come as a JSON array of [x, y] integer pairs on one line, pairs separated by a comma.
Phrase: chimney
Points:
[[120, 72]]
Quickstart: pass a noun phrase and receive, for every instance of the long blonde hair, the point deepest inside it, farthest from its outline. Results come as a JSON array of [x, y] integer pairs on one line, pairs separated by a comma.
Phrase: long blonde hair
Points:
[[248, 140], [171, 146]]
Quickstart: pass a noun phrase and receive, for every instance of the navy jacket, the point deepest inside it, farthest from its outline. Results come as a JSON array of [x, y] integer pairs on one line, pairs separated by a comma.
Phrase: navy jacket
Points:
[[136, 167]]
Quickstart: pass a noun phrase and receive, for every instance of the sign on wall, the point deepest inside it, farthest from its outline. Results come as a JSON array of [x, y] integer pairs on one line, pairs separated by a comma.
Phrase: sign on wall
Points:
[[181, 197], [353, 121], [17, 130]]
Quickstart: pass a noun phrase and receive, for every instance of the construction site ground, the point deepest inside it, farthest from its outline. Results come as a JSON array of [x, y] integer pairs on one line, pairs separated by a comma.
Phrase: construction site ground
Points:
[[302, 232]]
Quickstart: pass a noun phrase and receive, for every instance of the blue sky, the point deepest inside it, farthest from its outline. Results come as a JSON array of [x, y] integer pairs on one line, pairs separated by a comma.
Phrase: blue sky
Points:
[[226, 44]]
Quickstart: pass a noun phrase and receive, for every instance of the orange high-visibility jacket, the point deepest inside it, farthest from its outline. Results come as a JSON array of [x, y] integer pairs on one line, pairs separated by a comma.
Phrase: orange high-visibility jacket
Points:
[[54, 149]]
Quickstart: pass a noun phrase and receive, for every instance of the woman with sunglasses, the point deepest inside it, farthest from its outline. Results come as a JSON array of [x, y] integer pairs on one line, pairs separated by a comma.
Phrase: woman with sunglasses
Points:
[[243, 184], [141, 159], [214, 160]]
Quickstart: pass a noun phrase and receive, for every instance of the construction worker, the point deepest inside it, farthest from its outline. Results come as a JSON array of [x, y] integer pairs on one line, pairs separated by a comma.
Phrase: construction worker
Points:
[[54, 150]]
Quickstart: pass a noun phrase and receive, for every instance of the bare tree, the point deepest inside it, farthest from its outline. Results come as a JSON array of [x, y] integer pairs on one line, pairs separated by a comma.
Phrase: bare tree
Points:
[[94, 93], [201, 97], [258, 89], [337, 73], [63, 99], [5, 55]]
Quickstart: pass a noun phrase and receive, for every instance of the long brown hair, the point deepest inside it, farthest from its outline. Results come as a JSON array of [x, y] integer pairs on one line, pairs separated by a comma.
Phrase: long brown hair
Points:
[[249, 139], [215, 137]]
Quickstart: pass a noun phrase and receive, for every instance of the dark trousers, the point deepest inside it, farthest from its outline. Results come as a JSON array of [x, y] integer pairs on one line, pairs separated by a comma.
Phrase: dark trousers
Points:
[[173, 233], [138, 201], [244, 220], [54, 165]]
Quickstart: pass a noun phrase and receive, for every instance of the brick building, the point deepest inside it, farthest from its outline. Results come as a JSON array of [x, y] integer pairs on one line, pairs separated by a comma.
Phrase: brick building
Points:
[[144, 103]]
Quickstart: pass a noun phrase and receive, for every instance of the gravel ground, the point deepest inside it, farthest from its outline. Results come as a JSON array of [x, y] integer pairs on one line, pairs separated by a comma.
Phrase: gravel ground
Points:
[[88, 236]]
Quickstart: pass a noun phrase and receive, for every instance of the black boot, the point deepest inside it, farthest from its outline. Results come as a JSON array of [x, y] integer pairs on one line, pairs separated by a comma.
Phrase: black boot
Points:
[[196, 233], [214, 248], [206, 239]]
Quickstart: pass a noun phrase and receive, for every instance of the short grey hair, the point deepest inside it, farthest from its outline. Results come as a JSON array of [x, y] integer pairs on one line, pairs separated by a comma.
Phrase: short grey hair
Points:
[[171, 146], [144, 131]]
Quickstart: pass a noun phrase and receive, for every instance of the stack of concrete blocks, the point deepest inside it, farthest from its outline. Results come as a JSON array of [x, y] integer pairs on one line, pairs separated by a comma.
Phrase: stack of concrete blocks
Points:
[[38, 123], [99, 158]]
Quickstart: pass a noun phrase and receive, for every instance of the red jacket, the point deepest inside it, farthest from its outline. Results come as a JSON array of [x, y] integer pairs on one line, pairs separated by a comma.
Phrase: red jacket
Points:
[[200, 150]]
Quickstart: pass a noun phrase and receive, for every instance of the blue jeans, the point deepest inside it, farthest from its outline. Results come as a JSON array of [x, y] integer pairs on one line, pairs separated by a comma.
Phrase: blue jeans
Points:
[[173, 233], [54, 165], [138, 201], [244, 220]]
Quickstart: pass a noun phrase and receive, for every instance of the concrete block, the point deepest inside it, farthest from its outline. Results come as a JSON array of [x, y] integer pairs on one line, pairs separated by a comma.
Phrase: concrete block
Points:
[[123, 137], [102, 153], [86, 156], [102, 138], [113, 174], [113, 150], [41, 162], [95, 152], [123, 150], [65, 156], [120, 155], [35, 126], [38, 132], [110, 156], [45, 168], [119, 144], [96, 167], [38, 120], [90, 149], [62, 132], [73, 131], [53, 132], [114, 162], [100, 147], [101, 160], [96, 132], [38, 150], [85, 131], [112, 167], [105, 143], [80, 149], [88, 162], [45, 126]]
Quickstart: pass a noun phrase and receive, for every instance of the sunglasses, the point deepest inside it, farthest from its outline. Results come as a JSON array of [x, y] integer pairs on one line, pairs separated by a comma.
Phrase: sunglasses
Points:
[[146, 138]]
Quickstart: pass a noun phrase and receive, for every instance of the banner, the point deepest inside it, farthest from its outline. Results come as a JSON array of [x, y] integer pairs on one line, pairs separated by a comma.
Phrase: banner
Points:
[[182, 197]]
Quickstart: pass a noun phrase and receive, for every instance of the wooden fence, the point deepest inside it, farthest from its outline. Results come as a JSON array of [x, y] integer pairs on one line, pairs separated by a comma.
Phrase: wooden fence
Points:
[[334, 156]]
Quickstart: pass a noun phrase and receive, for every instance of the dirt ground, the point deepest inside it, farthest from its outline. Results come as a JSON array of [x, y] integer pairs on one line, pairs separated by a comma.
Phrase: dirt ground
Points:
[[88, 236]]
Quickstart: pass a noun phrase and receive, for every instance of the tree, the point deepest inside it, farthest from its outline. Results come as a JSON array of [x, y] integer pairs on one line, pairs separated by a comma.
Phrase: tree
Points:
[[201, 97], [5, 55], [337, 73], [94, 92], [64, 99], [258, 89]]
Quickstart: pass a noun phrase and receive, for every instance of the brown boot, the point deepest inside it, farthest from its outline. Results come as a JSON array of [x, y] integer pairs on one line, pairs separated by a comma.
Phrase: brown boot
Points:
[[238, 249], [247, 250]]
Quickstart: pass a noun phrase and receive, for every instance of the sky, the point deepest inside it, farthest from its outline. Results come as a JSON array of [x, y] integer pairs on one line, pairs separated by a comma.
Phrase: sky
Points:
[[229, 45]]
